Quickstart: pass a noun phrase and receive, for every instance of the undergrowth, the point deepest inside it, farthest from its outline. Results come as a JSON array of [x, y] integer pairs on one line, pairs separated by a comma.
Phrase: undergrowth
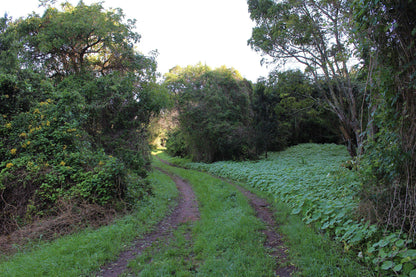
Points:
[[83, 253]]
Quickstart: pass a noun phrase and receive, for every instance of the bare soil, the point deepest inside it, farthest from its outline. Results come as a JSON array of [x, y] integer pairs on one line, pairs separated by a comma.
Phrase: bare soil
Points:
[[186, 210]]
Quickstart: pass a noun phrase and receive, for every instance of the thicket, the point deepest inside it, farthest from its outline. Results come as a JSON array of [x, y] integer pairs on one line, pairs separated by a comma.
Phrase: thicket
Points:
[[386, 31], [214, 114], [288, 110], [76, 100]]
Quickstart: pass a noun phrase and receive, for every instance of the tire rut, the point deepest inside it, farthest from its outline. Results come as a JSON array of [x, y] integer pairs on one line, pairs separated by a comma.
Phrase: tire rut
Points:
[[274, 241], [186, 210]]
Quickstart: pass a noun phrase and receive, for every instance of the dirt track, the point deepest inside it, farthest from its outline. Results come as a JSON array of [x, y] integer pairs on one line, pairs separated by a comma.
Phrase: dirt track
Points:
[[273, 240], [186, 210]]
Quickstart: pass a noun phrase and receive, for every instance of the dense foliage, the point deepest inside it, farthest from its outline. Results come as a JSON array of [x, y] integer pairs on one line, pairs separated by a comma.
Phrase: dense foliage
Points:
[[317, 36], [214, 113], [76, 99], [222, 117], [288, 110], [386, 31]]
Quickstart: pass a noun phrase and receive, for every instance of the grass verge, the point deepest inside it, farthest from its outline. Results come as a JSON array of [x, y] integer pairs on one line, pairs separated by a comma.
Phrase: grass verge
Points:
[[314, 253], [83, 253]]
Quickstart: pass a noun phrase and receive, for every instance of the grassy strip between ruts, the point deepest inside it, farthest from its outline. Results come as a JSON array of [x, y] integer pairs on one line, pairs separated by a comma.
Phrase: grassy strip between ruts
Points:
[[83, 253], [313, 253], [227, 240], [167, 258]]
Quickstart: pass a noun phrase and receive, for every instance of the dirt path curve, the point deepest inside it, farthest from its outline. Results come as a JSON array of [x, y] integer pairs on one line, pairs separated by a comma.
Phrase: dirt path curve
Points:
[[186, 210], [273, 241]]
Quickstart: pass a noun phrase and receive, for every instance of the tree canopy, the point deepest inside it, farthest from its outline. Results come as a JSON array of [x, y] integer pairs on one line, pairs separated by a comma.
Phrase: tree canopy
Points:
[[288, 110], [317, 35], [214, 112], [76, 102], [80, 38]]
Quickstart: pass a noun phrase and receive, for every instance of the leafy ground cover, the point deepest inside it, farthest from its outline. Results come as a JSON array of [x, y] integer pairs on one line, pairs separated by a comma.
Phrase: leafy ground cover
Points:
[[310, 180], [82, 254]]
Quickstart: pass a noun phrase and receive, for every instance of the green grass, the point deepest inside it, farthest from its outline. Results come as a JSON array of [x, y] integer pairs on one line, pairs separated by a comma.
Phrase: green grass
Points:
[[314, 253], [83, 253], [227, 240], [167, 258]]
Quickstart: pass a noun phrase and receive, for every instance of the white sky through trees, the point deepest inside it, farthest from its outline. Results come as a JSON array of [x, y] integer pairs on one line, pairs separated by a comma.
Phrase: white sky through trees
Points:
[[185, 32]]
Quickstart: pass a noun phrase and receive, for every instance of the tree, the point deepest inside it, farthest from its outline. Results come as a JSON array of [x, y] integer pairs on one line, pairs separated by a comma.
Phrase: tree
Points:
[[8, 46], [316, 35], [80, 38], [90, 50], [76, 102], [386, 31], [18, 84], [267, 126], [214, 112], [288, 112]]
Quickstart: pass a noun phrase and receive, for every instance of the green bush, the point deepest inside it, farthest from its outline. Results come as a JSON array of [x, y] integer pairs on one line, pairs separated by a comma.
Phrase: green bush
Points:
[[175, 144], [73, 114], [46, 157]]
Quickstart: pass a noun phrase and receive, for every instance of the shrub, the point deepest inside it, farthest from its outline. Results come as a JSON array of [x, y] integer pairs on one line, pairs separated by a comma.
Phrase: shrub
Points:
[[175, 144]]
